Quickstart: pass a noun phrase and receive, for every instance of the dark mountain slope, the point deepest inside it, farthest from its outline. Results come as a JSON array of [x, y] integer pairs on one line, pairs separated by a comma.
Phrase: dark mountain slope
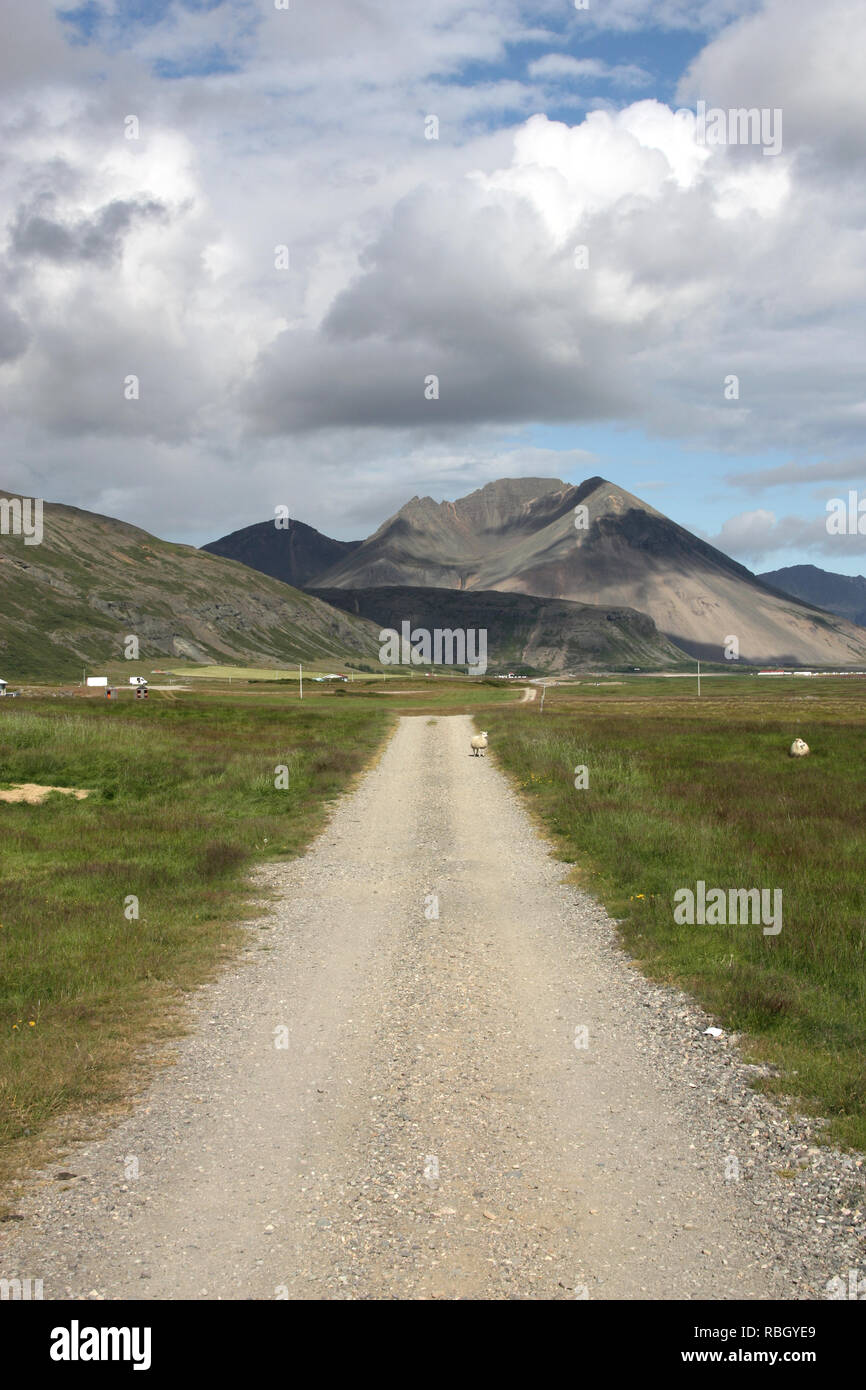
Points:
[[295, 554]]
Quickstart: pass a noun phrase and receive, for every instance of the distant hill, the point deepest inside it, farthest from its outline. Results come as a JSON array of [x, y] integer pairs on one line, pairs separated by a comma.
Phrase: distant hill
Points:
[[71, 601], [843, 594], [548, 634], [519, 536], [295, 554]]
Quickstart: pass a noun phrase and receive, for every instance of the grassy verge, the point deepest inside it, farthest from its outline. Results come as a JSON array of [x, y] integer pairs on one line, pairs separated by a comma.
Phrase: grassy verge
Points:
[[182, 801], [681, 791]]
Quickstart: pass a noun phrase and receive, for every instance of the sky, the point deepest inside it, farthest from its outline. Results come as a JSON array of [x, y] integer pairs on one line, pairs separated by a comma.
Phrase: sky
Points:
[[333, 255]]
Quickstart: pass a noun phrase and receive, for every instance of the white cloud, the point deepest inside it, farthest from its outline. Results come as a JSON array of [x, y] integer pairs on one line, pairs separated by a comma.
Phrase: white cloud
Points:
[[411, 257], [699, 15], [564, 66], [803, 57], [794, 474], [755, 536]]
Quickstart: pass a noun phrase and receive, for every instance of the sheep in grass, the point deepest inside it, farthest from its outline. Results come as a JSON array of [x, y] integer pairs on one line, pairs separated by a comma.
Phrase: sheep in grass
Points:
[[798, 748], [478, 743]]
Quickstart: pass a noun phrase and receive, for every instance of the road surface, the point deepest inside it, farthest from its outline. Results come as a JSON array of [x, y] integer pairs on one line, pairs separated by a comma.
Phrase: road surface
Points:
[[391, 1095]]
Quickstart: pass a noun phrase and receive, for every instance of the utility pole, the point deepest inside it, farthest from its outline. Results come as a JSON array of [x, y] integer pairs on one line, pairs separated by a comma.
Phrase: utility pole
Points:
[[543, 693], [301, 678], [699, 680]]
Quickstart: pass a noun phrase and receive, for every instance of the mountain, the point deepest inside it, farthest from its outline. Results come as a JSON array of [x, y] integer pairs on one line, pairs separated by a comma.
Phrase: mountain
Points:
[[451, 545], [295, 554], [72, 600], [547, 634], [519, 536], [843, 594]]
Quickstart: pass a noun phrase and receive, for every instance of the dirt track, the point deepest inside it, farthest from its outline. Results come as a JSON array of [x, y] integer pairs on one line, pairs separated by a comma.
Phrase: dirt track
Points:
[[430, 1130]]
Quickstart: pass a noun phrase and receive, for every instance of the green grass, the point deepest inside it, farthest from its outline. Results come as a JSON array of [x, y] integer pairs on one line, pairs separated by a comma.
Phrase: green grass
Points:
[[682, 790], [182, 803]]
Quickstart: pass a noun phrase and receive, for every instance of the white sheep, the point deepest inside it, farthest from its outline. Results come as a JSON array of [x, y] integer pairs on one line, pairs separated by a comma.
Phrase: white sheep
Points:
[[478, 743], [799, 749]]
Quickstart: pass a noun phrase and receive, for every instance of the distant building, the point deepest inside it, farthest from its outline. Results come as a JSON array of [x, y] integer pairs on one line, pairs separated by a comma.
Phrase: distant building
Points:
[[2, 687]]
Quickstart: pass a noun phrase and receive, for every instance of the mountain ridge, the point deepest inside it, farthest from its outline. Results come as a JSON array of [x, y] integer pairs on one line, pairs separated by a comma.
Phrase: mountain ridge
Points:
[[302, 552], [628, 554], [842, 594]]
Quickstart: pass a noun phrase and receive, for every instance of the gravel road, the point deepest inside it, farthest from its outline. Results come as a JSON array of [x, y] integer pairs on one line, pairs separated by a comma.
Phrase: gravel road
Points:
[[381, 1102]]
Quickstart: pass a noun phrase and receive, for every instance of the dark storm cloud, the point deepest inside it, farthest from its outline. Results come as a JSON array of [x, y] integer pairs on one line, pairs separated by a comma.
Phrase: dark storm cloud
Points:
[[14, 336], [98, 239]]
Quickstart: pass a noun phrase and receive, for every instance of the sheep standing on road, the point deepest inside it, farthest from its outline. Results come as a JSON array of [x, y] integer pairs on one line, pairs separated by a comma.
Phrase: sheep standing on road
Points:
[[478, 743]]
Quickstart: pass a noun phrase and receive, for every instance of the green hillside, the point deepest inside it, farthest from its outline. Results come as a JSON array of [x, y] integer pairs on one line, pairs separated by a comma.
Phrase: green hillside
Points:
[[73, 599]]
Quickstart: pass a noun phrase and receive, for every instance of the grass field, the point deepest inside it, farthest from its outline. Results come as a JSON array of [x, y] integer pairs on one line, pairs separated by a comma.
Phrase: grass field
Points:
[[682, 790], [183, 800]]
